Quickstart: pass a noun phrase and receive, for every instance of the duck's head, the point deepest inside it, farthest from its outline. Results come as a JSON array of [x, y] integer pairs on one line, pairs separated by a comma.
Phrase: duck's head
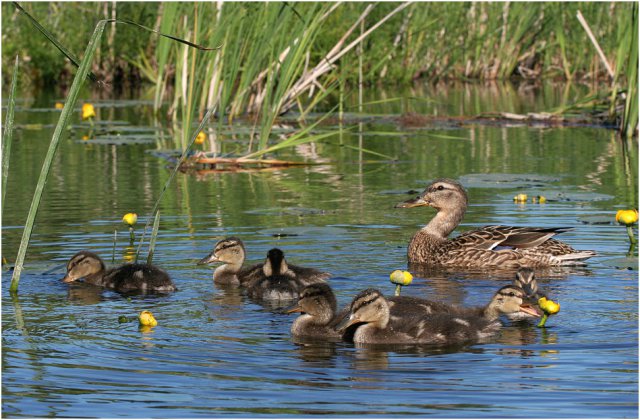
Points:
[[511, 300], [369, 306], [83, 264], [317, 300], [228, 251], [526, 280], [275, 264], [442, 193]]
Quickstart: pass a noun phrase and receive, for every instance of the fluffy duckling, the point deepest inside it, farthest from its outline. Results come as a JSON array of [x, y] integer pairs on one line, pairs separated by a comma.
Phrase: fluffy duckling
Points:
[[318, 306], [126, 278], [489, 246], [526, 280], [231, 252], [371, 309], [279, 281]]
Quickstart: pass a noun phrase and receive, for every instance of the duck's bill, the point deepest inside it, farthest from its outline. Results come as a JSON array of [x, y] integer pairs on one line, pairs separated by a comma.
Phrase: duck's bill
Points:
[[292, 309], [530, 310], [414, 202], [346, 323], [211, 258], [67, 279]]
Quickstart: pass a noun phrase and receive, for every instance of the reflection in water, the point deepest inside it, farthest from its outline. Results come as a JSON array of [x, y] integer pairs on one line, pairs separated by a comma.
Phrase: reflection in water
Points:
[[84, 293], [316, 351]]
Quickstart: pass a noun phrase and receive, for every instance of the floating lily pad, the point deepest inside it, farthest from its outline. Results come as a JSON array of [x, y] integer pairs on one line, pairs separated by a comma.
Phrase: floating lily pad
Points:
[[622, 263], [286, 211], [571, 196], [596, 220], [120, 140], [506, 180]]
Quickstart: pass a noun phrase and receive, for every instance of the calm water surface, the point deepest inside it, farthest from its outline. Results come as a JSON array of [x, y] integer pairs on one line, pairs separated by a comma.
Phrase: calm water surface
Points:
[[215, 353]]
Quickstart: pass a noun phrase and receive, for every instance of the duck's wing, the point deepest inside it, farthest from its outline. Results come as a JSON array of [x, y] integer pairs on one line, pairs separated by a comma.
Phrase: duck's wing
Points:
[[250, 275], [490, 237], [452, 329]]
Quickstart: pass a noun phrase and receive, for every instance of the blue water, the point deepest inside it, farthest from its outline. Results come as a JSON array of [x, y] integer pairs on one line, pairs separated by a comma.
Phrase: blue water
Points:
[[214, 353]]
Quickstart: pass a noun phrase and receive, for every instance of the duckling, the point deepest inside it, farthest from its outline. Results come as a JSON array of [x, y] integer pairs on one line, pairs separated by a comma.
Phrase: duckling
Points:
[[525, 246], [126, 278], [231, 252], [371, 309], [279, 281], [318, 306], [526, 280]]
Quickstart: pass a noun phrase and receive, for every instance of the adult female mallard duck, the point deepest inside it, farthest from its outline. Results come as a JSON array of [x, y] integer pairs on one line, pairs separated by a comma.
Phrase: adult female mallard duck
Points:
[[370, 311], [281, 281], [126, 278], [318, 318], [489, 246], [231, 252]]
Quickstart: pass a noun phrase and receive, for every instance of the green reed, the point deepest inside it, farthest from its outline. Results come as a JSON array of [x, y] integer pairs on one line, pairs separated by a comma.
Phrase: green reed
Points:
[[60, 130], [7, 135]]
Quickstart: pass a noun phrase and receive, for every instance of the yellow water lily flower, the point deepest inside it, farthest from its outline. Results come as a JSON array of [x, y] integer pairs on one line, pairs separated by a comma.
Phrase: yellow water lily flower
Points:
[[401, 277], [200, 138], [146, 318], [548, 306], [520, 198], [627, 217], [59, 105], [88, 111], [130, 219]]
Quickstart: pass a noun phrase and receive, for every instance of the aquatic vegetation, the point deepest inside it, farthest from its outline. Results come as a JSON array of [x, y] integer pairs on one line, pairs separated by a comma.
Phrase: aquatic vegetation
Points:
[[400, 278], [7, 135], [628, 218], [548, 307], [88, 111], [130, 220], [146, 318]]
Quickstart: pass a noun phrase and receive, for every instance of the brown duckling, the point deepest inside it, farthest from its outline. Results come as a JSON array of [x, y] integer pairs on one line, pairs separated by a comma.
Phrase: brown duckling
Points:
[[126, 278], [489, 246], [370, 310], [318, 306], [231, 252], [279, 281]]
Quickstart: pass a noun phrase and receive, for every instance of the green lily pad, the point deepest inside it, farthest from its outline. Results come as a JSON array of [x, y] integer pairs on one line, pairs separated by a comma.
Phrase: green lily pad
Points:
[[622, 263], [513, 181], [597, 220]]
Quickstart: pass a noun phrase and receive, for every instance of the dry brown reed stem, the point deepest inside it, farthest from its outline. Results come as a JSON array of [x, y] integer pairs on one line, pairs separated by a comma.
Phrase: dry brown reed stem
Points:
[[334, 55], [595, 43]]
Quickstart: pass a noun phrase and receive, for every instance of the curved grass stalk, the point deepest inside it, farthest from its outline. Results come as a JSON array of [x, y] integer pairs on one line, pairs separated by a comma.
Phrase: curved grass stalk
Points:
[[60, 130], [7, 136]]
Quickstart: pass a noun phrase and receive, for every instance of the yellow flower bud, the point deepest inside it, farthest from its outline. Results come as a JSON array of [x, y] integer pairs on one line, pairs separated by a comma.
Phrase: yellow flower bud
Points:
[[59, 105], [548, 306], [130, 219], [400, 277], [88, 111], [200, 138], [627, 217], [520, 198], [146, 318]]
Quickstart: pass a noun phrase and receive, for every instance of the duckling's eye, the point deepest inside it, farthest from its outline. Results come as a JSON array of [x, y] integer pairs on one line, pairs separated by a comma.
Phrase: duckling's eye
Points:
[[440, 187]]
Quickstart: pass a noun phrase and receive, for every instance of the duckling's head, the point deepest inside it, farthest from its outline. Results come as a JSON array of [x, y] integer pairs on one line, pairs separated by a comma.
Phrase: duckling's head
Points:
[[316, 300], [510, 300], [526, 280], [83, 264], [441, 194], [228, 251], [369, 306], [275, 263]]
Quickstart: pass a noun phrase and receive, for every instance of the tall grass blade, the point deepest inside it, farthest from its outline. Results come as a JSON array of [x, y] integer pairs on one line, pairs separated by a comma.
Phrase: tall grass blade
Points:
[[154, 235], [60, 130], [7, 135], [630, 116]]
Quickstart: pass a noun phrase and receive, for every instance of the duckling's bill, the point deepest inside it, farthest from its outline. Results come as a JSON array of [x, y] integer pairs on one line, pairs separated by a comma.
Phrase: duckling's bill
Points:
[[211, 258], [292, 309], [528, 309], [346, 323]]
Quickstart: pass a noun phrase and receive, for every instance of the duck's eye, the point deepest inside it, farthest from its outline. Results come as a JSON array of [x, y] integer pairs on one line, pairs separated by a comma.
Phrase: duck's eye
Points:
[[440, 187]]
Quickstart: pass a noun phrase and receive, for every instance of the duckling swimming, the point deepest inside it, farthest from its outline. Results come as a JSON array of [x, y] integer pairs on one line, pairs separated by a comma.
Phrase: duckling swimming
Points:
[[318, 306], [489, 246], [231, 252], [371, 309], [280, 281], [126, 278]]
